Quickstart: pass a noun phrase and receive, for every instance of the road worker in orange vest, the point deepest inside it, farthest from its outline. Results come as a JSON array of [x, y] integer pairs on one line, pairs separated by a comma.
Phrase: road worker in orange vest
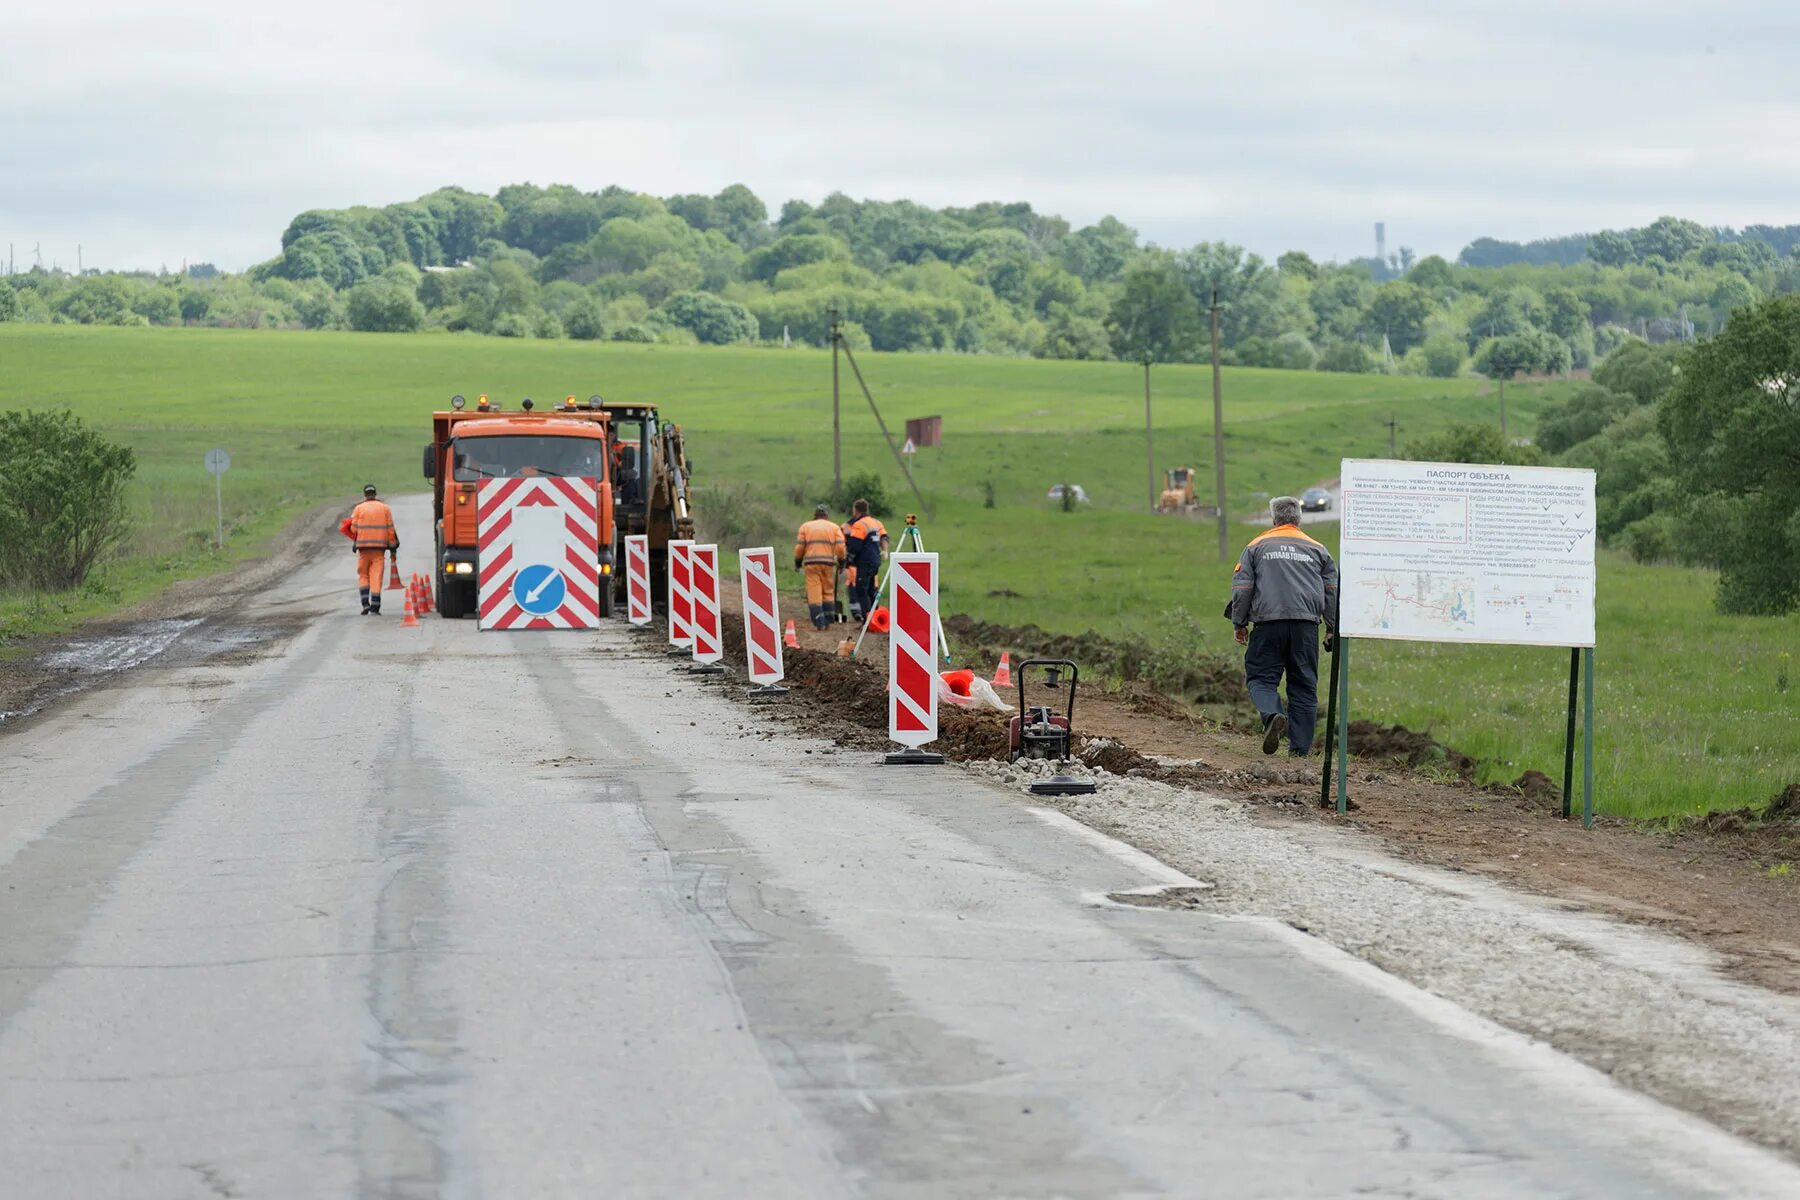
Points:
[[819, 551], [865, 542], [374, 538]]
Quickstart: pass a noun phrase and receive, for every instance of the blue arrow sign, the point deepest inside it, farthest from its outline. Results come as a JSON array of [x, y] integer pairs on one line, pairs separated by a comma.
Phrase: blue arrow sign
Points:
[[539, 589]]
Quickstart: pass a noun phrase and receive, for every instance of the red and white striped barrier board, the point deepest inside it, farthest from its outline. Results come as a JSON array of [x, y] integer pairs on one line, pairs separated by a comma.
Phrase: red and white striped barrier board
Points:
[[703, 590], [637, 578], [681, 606], [912, 661], [762, 616], [539, 546]]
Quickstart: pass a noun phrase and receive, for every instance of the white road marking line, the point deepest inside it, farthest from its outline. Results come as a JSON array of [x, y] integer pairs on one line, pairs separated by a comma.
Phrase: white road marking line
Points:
[[1164, 875]]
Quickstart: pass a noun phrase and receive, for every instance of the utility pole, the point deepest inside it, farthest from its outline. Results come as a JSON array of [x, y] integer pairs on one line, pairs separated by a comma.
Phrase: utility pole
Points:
[[1149, 448], [837, 450], [1393, 427], [1219, 432]]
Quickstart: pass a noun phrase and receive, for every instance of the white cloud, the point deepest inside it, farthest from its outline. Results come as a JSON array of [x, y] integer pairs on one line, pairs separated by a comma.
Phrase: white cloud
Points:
[[190, 129]]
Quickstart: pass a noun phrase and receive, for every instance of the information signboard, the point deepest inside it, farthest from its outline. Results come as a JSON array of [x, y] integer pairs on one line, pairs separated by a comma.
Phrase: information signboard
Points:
[[1454, 552]]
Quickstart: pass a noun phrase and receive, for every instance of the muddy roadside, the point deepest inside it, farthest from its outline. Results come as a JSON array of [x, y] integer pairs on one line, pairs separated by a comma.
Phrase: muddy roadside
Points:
[[1731, 883], [190, 621]]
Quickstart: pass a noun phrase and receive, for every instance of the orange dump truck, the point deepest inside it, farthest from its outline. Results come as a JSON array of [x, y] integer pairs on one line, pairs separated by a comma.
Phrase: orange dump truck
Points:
[[486, 442]]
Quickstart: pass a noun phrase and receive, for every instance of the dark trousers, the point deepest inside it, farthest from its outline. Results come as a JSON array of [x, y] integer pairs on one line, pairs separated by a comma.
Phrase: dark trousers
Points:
[[1290, 648], [863, 594]]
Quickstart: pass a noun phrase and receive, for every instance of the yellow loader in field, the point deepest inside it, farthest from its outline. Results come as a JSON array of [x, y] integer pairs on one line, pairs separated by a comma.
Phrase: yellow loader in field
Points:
[[1178, 491]]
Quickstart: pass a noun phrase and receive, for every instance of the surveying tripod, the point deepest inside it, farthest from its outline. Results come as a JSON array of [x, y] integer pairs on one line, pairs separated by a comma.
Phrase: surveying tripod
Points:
[[912, 541]]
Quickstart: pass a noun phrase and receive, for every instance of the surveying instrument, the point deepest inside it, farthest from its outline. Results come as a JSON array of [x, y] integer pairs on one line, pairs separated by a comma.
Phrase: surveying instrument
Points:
[[912, 541]]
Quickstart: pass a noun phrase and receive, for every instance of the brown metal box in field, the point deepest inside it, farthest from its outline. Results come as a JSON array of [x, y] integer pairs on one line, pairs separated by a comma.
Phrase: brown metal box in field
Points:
[[925, 431]]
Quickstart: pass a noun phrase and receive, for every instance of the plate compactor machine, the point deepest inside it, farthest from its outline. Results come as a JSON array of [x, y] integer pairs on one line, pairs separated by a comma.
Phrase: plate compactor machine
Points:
[[1041, 732]]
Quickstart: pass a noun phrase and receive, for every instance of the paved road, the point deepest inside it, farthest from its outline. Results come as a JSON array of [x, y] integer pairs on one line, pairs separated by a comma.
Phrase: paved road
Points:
[[415, 913]]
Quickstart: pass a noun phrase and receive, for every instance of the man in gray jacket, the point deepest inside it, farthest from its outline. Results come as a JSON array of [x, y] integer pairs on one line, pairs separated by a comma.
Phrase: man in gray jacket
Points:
[[1284, 586]]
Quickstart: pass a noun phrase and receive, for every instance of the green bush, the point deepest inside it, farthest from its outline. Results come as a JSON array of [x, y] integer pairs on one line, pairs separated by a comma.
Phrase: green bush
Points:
[[865, 485], [383, 306], [714, 321], [1443, 355], [1472, 443], [584, 321], [62, 498], [635, 332], [1347, 357], [512, 325]]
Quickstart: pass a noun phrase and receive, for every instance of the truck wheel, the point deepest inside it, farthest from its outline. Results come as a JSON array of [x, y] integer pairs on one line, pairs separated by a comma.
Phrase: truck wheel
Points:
[[450, 600], [606, 597]]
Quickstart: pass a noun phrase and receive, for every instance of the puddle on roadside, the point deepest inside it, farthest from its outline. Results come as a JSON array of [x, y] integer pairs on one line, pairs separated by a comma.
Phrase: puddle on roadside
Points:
[[119, 651], [84, 662]]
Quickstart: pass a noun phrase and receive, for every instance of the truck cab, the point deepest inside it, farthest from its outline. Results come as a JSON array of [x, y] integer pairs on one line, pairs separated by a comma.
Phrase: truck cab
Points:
[[487, 442]]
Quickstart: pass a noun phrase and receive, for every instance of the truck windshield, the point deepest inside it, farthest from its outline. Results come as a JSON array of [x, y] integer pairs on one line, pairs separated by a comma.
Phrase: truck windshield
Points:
[[505, 457]]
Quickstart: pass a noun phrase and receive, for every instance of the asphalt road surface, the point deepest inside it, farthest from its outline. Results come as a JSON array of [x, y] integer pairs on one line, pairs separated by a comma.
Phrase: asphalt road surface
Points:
[[385, 912]]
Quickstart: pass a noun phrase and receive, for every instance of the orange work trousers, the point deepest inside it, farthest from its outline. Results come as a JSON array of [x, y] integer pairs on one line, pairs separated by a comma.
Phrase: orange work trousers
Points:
[[821, 584], [368, 571]]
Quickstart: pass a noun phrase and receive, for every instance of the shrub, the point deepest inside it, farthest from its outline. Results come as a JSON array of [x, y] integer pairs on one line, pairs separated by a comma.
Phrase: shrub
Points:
[[1443, 355], [1348, 357], [715, 321], [383, 306], [513, 325], [635, 332], [1472, 443], [62, 498], [865, 485], [584, 321]]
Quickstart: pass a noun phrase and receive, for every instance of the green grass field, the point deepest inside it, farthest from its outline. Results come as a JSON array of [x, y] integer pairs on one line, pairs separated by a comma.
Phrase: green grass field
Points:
[[1690, 714]]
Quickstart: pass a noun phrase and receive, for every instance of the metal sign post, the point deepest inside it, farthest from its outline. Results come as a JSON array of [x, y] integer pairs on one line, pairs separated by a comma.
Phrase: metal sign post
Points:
[[217, 463]]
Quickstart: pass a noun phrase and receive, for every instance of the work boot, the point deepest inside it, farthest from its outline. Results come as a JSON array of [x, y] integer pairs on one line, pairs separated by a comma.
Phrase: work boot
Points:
[[1272, 731]]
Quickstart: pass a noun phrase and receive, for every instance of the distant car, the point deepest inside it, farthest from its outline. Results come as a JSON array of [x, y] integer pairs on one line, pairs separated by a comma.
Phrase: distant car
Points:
[[1315, 500]]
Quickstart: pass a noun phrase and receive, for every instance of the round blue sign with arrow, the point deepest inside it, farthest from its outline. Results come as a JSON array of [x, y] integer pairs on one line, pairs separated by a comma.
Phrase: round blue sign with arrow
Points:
[[539, 589]]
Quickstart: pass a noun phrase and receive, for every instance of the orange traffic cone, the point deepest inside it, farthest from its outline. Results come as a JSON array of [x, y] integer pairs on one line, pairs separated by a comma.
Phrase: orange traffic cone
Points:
[[410, 620], [428, 601], [790, 638], [1003, 675], [394, 584]]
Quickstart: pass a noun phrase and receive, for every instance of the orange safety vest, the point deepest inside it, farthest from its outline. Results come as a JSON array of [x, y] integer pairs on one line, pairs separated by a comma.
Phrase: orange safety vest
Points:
[[820, 541], [372, 523]]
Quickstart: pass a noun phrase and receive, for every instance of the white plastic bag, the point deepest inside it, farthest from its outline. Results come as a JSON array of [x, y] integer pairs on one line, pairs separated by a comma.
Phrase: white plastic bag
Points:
[[981, 695]]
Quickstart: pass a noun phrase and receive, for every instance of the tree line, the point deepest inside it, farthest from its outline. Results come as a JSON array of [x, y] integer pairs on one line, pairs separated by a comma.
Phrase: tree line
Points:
[[993, 278], [1695, 451]]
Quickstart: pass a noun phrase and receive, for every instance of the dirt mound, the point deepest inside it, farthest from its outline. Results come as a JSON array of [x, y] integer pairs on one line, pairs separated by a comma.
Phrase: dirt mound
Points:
[[1783, 812], [1535, 786], [846, 699], [1140, 697], [1398, 744], [1117, 758]]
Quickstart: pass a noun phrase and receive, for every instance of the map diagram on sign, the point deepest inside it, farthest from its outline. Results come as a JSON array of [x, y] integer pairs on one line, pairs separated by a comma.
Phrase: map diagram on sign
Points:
[[1420, 605]]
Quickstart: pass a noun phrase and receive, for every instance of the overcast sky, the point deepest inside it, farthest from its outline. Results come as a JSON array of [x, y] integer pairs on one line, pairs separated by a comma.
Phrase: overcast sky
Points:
[[152, 133]]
